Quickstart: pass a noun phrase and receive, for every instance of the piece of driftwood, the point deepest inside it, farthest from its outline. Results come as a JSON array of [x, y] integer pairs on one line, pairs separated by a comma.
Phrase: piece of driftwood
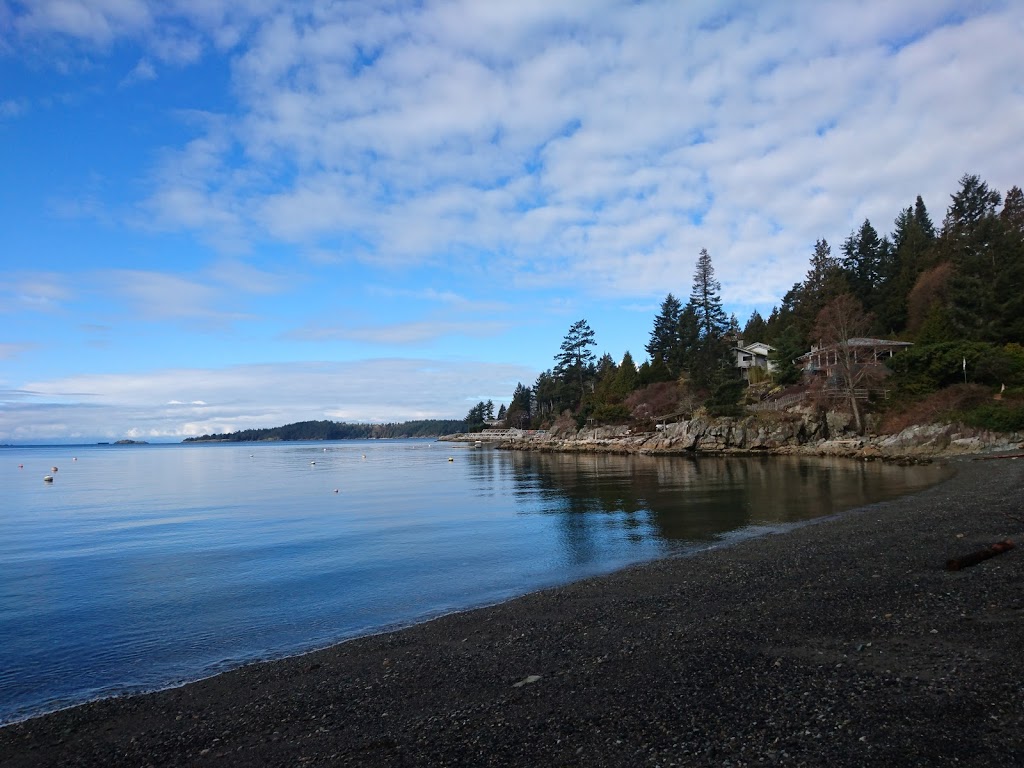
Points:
[[959, 563]]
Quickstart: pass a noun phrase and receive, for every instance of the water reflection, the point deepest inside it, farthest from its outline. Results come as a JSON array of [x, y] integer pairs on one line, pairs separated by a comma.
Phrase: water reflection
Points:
[[690, 499]]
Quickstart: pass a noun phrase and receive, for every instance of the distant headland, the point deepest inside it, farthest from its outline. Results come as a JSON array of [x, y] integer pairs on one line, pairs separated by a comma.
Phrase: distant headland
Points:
[[338, 430]]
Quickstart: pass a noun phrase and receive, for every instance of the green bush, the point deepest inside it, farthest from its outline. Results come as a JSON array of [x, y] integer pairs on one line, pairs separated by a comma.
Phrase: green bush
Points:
[[997, 417], [927, 368], [725, 400]]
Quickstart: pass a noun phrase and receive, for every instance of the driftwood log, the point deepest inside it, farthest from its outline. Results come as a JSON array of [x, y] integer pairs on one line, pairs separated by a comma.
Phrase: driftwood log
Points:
[[959, 563]]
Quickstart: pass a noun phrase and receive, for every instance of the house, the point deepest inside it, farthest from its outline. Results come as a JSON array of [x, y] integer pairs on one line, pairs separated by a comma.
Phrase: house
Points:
[[825, 360], [754, 355]]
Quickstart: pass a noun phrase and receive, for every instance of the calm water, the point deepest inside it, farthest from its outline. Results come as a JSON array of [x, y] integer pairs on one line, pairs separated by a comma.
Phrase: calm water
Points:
[[144, 566]]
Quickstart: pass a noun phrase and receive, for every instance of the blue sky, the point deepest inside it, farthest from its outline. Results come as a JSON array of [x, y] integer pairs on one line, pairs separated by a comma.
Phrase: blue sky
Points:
[[228, 214]]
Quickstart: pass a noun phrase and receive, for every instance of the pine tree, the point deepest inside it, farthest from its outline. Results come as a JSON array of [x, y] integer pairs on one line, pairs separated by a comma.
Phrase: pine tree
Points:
[[575, 360], [1012, 214], [664, 341], [756, 328], [705, 299], [862, 262], [924, 221], [971, 236], [711, 353]]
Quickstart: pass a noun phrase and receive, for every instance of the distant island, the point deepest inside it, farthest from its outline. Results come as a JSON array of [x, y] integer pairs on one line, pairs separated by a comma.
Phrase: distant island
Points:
[[130, 442], [338, 430]]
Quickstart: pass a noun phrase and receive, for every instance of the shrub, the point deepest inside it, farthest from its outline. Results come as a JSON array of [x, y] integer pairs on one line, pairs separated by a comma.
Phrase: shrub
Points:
[[996, 416], [940, 406], [724, 401], [927, 368]]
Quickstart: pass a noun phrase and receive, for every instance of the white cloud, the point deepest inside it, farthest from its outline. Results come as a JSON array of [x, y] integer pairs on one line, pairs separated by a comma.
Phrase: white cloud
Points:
[[34, 292], [180, 403], [411, 333], [160, 295], [603, 148], [141, 72], [580, 146]]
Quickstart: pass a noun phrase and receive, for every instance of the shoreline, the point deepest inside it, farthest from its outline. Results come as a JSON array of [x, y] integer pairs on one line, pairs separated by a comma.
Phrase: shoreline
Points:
[[843, 642]]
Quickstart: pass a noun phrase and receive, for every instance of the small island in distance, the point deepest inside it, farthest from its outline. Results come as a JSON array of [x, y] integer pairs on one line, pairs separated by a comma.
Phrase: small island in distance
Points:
[[338, 430]]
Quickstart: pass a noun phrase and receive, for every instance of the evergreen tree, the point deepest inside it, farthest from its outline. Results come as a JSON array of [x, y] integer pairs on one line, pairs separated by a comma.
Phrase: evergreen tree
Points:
[[862, 262], [972, 239], [711, 353], [519, 411], [1012, 214], [924, 221], [626, 376], [664, 341], [756, 328], [546, 397], [475, 417], [789, 344], [972, 206], [824, 275], [705, 299], [912, 240], [575, 360]]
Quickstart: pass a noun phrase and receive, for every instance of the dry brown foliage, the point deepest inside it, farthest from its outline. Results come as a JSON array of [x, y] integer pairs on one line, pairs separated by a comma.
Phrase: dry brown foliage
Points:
[[935, 406]]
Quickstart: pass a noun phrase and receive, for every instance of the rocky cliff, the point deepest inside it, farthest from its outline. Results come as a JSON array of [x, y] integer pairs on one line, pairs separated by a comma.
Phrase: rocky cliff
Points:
[[813, 433]]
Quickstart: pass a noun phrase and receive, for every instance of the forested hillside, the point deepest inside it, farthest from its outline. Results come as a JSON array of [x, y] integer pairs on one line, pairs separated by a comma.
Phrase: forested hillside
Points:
[[337, 430], [956, 291]]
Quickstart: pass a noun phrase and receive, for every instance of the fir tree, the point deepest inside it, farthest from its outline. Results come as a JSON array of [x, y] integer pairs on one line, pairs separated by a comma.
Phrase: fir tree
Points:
[[711, 353], [664, 341]]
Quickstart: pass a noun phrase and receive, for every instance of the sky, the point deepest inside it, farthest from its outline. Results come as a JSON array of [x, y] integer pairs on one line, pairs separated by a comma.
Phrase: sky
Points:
[[225, 214]]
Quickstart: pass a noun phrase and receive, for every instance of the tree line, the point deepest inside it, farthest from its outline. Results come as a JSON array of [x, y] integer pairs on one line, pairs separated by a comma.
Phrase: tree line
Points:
[[338, 430], [940, 287]]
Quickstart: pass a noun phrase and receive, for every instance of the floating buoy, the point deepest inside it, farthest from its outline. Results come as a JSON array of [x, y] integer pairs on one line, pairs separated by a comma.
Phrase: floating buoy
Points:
[[48, 479]]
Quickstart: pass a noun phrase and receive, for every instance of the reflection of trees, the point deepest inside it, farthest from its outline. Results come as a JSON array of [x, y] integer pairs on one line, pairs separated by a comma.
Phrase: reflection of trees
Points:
[[695, 499], [481, 467]]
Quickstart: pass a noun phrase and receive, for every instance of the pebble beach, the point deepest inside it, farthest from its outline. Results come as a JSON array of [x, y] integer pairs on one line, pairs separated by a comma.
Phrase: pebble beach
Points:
[[844, 642]]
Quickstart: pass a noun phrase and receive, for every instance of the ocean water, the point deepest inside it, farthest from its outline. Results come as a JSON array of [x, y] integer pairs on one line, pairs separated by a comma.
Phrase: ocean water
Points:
[[141, 567]]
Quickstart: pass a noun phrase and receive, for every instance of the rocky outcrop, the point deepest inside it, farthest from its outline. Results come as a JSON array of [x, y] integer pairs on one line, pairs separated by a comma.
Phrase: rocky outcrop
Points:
[[810, 433]]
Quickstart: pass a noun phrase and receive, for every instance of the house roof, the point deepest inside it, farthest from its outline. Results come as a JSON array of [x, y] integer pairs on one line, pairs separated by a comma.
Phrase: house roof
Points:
[[750, 347], [860, 341]]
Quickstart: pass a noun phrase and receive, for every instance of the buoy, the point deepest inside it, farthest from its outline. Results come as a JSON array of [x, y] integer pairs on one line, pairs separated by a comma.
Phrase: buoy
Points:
[[48, 479]]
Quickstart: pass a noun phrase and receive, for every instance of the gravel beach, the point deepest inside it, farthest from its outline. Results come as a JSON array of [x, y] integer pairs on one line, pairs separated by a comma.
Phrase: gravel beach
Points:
[[844, 642]]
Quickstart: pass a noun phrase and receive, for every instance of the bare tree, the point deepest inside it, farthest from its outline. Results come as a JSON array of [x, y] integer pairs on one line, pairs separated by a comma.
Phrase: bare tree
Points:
[[840, 322]]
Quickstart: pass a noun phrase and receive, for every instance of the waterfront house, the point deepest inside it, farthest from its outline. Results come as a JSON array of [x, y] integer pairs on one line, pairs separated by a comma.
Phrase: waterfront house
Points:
[[825, 359], [750, 356]]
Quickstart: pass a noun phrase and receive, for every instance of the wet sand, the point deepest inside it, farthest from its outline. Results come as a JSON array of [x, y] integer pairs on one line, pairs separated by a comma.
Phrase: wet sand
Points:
[[844, 642]]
